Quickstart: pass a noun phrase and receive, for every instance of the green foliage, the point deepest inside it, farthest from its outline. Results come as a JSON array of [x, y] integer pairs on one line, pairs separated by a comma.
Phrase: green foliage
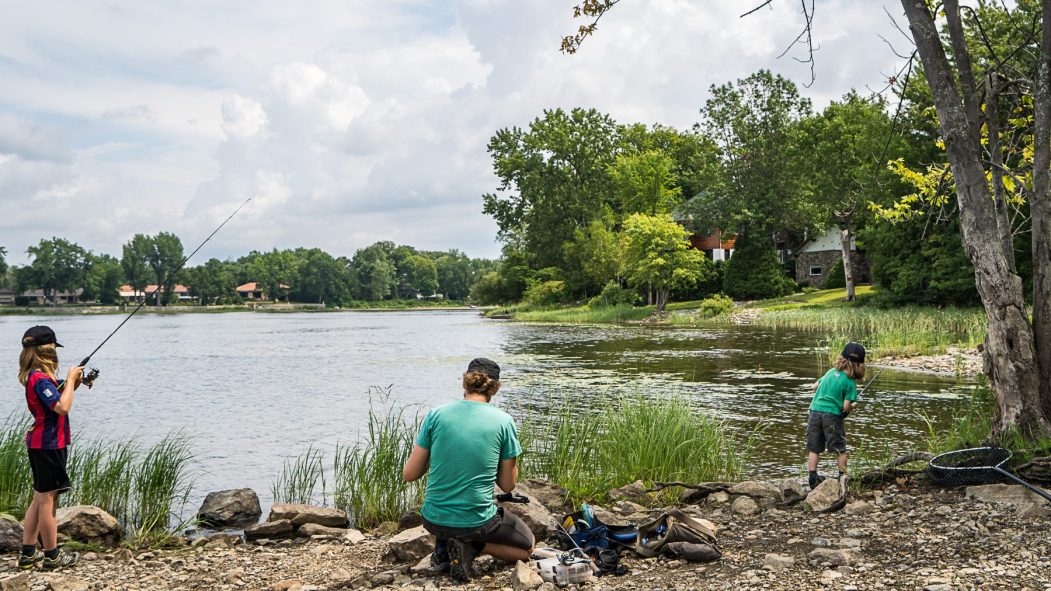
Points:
[[300, 479], [591, 451], [160, 483], [135, 261], [918, 262], [321, 278], [643, 182], [212, 282], [3, 262], [164, 259], [717, 305], [275, 272], [657, 256], [837, 277], [753, 272], [545, 293], [376, 273], [613, 294], [585, 314], [596, 252], [57, 265], [103, 280], [971, 423]]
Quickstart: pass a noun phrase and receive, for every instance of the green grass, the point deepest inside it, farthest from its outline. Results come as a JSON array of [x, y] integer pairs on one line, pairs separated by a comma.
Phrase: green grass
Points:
[[365, 476], [898, 331], [630, 438], [585, 314], [144, 488]]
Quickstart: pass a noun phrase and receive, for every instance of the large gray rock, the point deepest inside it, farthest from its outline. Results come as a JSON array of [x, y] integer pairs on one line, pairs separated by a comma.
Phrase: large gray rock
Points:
[[824, 496], [89, 524], [312, 529], [270, 530], [230, 507], [537, 518], [552, 496], [66, 583], [776, 562], [833, 557], [524, 578], [299, 514], [411, 545], [19, 582], [745, 506], [1026, 502], [755, 488], [634, 492], [10, 533]]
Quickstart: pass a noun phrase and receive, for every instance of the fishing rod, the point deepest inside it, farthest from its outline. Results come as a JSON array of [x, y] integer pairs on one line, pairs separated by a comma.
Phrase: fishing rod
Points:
[[866, 386], [90, 377]]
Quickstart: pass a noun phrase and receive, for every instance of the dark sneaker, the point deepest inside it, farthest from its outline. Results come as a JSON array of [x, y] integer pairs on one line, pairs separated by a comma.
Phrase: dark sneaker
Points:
[[815, 480], [62, 559], [461, 558], [28, 562], [440, 557]]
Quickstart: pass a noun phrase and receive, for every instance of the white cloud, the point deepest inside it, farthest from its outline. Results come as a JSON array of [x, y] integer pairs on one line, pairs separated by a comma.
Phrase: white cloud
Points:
[[369, 119]]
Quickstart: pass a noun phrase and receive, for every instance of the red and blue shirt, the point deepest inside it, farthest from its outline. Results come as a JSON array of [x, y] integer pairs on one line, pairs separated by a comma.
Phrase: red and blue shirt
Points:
[[50, 429]]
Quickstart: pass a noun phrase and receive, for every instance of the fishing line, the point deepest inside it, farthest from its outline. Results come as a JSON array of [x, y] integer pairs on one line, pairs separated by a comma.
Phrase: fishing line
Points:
[[170, 274]]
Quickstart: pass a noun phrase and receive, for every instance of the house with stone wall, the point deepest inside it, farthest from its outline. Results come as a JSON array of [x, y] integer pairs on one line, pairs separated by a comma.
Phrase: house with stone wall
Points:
[[818, 256]]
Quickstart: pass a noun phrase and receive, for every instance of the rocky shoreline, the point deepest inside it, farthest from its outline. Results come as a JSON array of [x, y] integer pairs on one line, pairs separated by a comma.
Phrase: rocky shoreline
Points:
[[902, 537]]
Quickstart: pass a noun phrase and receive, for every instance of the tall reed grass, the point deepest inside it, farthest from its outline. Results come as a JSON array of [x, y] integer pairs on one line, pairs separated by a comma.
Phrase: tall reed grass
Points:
[[585, 314], [900, 331], [143, 487], [365, 476], [653, 439]]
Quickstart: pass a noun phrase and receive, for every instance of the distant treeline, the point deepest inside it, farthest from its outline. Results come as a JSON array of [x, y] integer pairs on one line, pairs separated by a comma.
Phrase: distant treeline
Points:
[[381, 271]]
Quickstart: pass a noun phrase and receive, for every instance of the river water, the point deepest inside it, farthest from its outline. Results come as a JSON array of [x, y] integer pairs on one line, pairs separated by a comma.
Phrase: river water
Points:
[[254, 389]]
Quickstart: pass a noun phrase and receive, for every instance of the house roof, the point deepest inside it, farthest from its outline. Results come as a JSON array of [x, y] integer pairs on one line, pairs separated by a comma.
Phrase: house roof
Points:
[[254, 286], [827, 241], [127, 290]]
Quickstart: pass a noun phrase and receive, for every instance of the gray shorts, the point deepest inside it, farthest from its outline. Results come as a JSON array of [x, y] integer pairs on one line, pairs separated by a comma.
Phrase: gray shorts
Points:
[[824, 431], [504, 528]]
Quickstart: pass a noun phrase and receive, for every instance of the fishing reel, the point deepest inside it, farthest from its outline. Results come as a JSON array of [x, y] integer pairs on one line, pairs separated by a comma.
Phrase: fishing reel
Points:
[[512, 498], [90, 377]]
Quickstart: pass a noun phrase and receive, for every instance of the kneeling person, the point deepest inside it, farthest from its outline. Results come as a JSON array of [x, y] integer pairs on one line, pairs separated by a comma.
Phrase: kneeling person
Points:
[[468, 446]]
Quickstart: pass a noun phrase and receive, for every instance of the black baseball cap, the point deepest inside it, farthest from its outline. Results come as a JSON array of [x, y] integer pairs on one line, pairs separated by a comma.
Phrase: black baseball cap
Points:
[[854, 352], [486, 366], [39, 335]]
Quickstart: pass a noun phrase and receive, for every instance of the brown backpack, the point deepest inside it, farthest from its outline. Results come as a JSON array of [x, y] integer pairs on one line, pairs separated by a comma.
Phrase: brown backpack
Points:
[[678, 535]]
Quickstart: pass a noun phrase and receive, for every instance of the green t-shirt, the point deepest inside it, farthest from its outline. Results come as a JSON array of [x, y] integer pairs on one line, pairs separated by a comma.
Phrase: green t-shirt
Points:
[[832, 389], [467, 440]]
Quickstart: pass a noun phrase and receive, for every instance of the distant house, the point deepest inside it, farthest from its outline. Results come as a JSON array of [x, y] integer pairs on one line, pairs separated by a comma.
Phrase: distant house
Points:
[[714, 244], [37, 297], [7, 296], [129, 293], [818, 256], [253, 291]]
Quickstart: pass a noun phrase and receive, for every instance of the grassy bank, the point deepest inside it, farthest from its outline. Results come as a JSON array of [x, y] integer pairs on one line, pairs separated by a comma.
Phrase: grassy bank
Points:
[[144, 487]]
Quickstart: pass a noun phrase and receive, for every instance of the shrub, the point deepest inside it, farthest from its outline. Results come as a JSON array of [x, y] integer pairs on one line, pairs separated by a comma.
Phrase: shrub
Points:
[[544, 293], [753, 271], [717, 305], [837, 277], [614, 295]]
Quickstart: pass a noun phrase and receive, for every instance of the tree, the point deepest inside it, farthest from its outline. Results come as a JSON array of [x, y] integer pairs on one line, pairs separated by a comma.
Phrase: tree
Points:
[[455, 275], [1013, 345], [376, 273], [274, 272], [847, 147], [322, 278], [57, 265], [135, 262], [213, 282], [643, 182], [657, 255], [102, 280], [3, 261], [753, 272], [755, 124], [165, 259], [554, 178], [596, 250], [423, 275]]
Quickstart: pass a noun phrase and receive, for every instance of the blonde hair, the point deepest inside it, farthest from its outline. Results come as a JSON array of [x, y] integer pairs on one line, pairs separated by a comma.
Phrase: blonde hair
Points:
[[40, 358], [479, 383], [855, 370]]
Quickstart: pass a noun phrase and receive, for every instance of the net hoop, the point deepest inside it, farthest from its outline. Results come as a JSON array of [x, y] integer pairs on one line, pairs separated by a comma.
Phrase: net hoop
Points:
[[972, 450]]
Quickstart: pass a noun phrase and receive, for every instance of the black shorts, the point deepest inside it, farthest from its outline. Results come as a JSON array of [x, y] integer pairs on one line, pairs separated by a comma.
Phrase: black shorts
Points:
[[824, 431], [504, 528], [49, 470]]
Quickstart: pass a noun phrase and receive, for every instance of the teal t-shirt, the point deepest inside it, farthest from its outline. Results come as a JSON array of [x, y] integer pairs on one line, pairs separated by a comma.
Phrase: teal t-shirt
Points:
[[832, 389], [467, 440]]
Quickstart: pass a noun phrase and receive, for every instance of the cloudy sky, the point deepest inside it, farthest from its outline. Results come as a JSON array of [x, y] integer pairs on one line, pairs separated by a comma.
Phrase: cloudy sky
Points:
[[351, 121]]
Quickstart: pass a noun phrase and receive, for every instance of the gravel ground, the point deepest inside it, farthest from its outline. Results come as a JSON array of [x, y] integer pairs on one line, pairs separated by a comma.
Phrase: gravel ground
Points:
[[901, 538]]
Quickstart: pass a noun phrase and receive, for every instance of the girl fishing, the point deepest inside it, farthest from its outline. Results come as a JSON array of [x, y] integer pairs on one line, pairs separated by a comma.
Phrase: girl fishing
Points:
[[49, 401]]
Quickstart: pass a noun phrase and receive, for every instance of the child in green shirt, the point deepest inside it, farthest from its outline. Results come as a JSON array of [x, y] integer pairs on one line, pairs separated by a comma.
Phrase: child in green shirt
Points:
[[835, 395]]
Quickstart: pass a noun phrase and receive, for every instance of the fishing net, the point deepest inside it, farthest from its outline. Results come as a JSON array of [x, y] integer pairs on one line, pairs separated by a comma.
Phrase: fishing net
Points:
[[968, 466]]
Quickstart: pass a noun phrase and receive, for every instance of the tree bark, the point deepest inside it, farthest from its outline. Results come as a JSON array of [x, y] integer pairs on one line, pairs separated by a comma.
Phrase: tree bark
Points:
[[1010, 357], [662, 298], [1040, 209], [1003, 222], [848, 270]]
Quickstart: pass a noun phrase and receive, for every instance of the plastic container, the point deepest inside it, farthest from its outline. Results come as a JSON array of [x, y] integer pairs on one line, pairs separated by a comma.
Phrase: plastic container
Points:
[[553, 571]]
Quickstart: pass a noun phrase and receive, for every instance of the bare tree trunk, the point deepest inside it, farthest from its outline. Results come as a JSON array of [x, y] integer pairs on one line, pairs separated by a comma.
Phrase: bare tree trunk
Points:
[[1040, 209], [662, 298], [1003, 223], [1009, 347], [848, 270]]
